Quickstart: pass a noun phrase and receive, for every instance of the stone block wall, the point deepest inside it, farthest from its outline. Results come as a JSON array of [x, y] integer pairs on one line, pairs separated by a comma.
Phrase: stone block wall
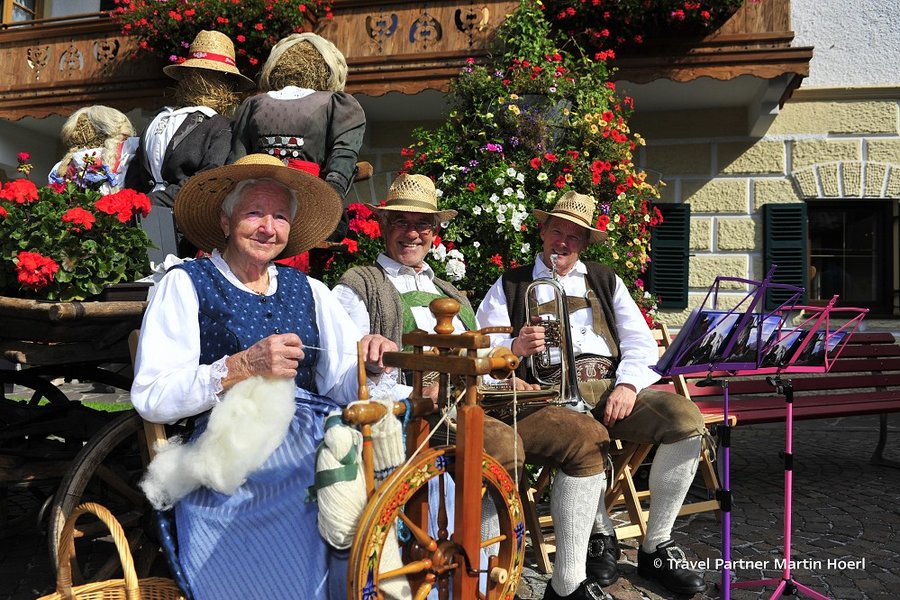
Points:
[[815, 149]]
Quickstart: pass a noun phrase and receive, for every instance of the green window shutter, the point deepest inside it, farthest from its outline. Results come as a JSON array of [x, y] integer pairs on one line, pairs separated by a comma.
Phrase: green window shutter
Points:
[[784, 245], [669, 255]]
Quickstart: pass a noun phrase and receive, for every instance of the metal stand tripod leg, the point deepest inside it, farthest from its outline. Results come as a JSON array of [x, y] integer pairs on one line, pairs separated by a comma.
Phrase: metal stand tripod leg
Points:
[[786, 585]]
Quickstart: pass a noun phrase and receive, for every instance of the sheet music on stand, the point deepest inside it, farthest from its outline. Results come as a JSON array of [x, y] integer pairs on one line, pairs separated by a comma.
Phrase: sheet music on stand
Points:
[[747, 340], [744, 339]]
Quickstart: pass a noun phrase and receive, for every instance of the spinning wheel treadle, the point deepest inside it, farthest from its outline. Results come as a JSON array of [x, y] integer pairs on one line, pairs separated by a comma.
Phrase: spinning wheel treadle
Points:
[[429, 562]]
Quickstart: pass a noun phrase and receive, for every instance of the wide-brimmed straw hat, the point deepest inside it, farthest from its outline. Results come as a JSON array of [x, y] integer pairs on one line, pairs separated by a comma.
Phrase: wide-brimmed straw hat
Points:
[[575, 208], [199, 203], [213, 51], [413, 193]]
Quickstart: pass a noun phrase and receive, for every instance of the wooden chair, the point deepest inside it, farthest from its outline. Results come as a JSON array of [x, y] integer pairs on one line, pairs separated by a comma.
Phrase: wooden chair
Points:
[[155, 432], [626, 457]]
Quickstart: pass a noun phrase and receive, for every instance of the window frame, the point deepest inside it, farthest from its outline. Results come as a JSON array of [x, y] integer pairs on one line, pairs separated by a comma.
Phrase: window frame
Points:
[[886, 215], [8, 5]]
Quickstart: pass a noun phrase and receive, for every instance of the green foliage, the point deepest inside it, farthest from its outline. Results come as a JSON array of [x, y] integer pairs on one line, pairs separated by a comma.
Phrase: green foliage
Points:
[[165, 28], [519, 135], [65, 242]]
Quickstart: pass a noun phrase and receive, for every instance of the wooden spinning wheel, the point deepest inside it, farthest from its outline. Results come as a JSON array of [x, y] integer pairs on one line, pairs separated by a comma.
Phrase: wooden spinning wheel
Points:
[[449, 562]]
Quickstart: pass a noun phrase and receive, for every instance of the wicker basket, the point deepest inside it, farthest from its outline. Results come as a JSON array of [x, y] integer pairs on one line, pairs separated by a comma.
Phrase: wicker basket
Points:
[[130, 588]]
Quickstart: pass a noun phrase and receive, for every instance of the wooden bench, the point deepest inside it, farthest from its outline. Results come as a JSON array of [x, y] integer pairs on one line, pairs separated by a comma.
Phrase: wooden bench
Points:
[[865, 379]]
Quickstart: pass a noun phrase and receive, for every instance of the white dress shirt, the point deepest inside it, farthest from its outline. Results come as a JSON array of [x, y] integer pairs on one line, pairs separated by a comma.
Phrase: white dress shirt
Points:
[[170, 383], [160, 132], [405, 279], [638, 350]]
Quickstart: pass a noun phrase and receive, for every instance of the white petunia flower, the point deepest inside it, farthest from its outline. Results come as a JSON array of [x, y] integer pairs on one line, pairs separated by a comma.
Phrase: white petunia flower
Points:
[[455, 269], [542, 177], [438, 192], [526, 248], [520, 194], [511, 172], [520, 177], [477, 244], [501, 218], [476, 210], [507, 191], [494, 198], [498, 181], [439, 252]]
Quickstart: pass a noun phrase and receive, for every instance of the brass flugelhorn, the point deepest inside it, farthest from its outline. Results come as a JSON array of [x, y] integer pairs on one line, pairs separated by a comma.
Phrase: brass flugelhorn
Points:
[[557, 334]]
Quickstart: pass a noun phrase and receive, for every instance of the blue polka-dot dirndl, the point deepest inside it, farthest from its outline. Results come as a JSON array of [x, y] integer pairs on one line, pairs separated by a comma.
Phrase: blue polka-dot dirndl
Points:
[[262, 541]]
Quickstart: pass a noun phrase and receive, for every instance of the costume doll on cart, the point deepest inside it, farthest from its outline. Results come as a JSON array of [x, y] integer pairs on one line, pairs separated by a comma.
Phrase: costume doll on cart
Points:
[[194, 134], [303, 116], [101, 144]]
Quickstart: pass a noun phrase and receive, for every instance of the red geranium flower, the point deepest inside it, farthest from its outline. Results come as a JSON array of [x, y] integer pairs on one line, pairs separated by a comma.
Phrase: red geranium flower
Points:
[[82, 219], [34, 270], [20, 191]]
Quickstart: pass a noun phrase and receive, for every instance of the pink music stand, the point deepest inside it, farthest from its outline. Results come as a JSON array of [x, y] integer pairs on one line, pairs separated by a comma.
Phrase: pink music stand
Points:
[[810, 347], [747, 341]]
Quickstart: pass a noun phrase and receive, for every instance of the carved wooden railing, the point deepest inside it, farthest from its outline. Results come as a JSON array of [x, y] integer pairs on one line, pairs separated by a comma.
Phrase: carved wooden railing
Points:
[[56, 66]]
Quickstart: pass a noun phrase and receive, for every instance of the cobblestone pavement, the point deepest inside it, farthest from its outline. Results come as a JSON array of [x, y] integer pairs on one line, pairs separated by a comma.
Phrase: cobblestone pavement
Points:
[[845, 534]]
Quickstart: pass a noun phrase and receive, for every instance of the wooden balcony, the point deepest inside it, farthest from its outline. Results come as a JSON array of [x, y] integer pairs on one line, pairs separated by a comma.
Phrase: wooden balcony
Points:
[[56, 66]]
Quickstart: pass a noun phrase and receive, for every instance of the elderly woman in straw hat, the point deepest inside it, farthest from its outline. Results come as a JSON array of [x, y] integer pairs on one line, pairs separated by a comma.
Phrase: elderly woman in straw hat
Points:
[[101, 145], [218, 331], [194, 134]]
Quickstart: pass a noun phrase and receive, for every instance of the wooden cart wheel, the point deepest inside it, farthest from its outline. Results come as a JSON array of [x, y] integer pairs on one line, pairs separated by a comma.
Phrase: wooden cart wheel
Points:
[[107, 471], [430, 562]]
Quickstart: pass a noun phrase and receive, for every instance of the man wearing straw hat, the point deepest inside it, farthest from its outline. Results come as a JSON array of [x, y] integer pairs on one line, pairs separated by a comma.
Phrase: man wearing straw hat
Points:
[[270, 353], [392, 296], [613, 352], [195, 134]]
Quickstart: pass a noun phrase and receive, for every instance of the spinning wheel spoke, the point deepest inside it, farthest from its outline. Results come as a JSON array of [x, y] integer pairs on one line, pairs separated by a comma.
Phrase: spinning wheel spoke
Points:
[[417, 566], [424, 540], [423, 591]]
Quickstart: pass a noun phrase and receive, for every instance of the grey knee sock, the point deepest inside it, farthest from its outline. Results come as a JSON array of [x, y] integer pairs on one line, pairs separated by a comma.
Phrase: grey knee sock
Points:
[[602, 523], [670, 479], [573, 504], [490, 523]]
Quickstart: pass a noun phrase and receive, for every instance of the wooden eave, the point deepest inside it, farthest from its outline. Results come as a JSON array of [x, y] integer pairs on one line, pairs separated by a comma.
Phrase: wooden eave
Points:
[[57, 66]]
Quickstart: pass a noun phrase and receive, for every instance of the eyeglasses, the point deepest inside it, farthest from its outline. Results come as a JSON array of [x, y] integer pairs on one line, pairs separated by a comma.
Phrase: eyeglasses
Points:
[[419, 226]]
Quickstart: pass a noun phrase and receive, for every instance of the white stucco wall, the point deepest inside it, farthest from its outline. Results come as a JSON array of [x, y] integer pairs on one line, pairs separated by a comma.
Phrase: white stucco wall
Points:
[[856, 43]]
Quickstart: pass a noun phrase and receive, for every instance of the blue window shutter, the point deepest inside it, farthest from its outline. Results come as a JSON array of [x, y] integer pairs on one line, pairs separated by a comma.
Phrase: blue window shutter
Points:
[[669, 243], [784, 245]]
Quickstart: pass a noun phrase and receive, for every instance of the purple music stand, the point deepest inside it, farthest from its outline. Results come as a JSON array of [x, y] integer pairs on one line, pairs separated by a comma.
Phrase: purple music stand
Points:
[[748, 341], [724, 341], [810, 347]]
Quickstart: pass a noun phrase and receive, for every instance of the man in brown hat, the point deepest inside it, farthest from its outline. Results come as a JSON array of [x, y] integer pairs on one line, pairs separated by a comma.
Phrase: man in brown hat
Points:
[[194, 134], [613, 351], [391, 297]]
